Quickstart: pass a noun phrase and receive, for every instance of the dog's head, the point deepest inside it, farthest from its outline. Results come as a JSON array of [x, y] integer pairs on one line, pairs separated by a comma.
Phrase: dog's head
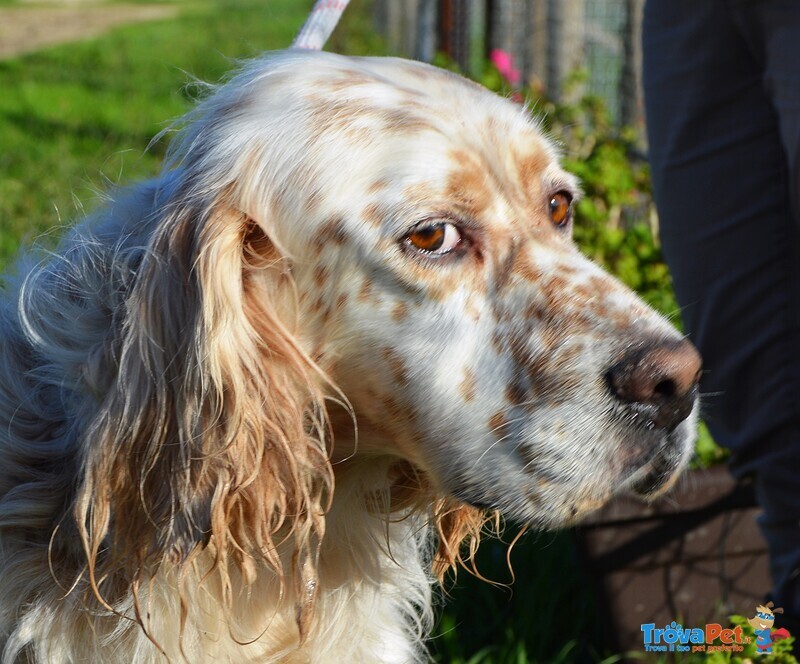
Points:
[[392, 235], [428, 226]]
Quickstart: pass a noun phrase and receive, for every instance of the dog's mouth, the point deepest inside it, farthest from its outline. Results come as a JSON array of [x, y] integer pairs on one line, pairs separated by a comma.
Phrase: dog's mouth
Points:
[[553, 472], [657, 479], [652, 463], [663, 469]]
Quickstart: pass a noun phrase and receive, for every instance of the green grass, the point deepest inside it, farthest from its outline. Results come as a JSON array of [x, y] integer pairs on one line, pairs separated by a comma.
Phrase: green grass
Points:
[[79, 115], [546, 616]]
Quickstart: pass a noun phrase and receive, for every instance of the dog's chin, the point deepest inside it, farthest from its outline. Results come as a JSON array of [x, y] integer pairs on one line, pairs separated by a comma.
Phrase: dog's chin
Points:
[[653, 482], [659, 474], [648, 476]]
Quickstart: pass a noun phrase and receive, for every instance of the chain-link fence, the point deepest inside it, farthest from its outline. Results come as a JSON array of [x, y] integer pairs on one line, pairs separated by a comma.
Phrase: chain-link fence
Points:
[[548, 40]]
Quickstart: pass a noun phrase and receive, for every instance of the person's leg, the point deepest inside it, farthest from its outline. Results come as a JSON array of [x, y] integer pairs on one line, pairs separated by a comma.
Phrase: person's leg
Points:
[[722, 186], [772, 28]]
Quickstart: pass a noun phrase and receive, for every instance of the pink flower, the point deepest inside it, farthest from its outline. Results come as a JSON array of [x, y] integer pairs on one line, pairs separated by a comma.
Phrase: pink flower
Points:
[[505, 65]]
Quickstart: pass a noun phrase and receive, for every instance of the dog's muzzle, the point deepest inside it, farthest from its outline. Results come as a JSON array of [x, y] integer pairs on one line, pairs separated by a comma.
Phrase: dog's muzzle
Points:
[[658, 381]]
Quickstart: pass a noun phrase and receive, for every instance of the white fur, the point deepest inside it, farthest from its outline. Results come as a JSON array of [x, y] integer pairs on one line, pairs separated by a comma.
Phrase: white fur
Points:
[[240, 395]]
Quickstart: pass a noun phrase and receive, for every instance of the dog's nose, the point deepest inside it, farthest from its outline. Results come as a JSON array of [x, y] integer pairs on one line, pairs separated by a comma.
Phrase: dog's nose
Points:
[[661, 377]]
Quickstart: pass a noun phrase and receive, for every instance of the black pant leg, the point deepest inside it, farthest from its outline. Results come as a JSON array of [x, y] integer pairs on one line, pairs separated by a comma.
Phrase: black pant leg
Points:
[[723, 185]]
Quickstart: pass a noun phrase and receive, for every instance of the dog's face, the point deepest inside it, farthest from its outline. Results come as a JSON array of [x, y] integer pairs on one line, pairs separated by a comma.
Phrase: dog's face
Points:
[[428, 227]]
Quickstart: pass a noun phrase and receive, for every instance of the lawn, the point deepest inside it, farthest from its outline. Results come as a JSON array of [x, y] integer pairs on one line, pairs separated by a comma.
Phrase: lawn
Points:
[[77, 118]]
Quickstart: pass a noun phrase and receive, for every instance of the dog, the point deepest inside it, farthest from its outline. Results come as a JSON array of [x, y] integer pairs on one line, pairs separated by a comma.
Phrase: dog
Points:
[[254, 409]]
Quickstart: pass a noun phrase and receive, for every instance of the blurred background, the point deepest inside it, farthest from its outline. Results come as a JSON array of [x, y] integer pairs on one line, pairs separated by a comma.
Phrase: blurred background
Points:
[[85, 86]]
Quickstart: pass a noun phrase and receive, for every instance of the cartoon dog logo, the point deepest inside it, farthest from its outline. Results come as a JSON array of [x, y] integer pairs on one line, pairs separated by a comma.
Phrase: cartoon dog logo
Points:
[[762, 624]]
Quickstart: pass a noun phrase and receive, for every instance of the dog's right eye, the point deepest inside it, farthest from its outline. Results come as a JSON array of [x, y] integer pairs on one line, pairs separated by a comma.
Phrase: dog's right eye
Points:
[[434, 238]]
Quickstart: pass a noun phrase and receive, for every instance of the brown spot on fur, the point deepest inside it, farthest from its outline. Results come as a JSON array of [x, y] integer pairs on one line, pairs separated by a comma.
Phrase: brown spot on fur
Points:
[[555, 288], [468, 385], [373, 214], [320, 276], [552, 335], [516, 393], [497, 422], [552, 385], [418, 192], [598, 307], [468, 186], [440, 289], [505, 269], [397, 366], [337, 115], [583, 292], [530, 168], [404, 121], [398, 411], [332, 231], [569, 355], [621, 320], [498, 342], [399, 311], [346, 81], [536, 311], [365, 292], [379, 185], [525, 268], [601, 284], [520, 351]]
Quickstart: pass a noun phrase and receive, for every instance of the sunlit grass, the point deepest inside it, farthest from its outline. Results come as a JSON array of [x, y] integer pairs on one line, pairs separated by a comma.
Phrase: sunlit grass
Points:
[[77, 116]]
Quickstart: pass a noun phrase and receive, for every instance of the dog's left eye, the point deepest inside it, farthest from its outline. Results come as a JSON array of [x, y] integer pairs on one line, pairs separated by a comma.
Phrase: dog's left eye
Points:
[[437, 238], [561, 208]]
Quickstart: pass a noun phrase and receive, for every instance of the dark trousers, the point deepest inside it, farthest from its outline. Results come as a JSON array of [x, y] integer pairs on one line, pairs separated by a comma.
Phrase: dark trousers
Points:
[[722, 96]]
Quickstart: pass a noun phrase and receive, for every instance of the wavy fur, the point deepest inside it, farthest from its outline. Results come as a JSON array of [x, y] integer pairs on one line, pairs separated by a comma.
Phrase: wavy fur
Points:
[[224, 437]]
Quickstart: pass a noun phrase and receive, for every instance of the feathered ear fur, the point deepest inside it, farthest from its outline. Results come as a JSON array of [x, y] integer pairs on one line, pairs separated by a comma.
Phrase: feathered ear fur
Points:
[[213, 433], [459, 528]]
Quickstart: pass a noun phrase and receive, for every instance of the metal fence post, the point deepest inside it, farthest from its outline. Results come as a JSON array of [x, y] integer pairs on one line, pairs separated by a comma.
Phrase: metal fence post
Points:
[[508, 20], [630, 83], [425, 47], [565, 49], [548, 40]]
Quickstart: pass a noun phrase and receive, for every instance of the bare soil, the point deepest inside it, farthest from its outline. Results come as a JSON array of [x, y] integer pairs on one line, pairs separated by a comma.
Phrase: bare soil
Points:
[[28, 28]]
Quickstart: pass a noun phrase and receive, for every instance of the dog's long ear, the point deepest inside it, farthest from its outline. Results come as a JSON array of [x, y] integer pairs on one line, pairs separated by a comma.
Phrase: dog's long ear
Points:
[[213, 434]]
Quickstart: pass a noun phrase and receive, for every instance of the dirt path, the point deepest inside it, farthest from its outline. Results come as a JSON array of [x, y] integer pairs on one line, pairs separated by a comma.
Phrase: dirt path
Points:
[[28, 28]]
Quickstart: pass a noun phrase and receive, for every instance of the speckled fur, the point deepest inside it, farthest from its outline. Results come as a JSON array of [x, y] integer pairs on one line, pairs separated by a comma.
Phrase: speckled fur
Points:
[[181, 381]]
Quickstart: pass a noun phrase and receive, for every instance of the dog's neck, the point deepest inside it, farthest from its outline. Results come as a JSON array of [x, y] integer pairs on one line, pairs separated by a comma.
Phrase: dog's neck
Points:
[[374, 586]]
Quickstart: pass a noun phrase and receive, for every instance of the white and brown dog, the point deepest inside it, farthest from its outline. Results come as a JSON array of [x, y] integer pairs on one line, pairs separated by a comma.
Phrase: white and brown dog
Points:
[[251, 409]]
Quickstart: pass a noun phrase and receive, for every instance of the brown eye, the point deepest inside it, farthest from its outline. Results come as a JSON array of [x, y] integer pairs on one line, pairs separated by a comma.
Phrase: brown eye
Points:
[[437, 238], [561, 208]]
